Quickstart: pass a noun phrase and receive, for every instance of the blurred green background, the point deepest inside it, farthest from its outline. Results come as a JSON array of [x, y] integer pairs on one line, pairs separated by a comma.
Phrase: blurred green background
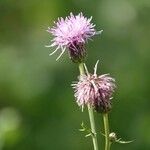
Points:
[[37, 107]]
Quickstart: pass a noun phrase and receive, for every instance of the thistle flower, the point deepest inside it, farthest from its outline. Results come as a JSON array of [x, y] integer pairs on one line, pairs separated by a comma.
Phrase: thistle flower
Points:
[[72, 33], [94, 90]]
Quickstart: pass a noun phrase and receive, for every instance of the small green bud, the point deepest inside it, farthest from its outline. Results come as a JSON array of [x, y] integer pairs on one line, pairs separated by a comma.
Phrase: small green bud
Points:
[[113, 137]]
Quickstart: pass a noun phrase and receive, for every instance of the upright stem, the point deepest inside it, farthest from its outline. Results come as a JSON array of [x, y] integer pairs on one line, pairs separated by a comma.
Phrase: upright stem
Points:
[[93, 129], [106, 128], [91, 115], [81, 69]]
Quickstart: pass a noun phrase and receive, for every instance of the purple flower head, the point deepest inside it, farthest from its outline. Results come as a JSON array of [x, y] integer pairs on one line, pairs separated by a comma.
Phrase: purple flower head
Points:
[[72, 33], [94, 90]]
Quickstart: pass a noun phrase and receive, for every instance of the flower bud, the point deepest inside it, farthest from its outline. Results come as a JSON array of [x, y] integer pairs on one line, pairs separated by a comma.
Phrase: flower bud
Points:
[[113, 137]]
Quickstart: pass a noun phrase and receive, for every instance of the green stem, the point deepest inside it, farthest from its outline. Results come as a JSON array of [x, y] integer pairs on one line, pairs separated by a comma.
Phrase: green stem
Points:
[[93, 129], [106, 128], [81, 69], [91, 115]]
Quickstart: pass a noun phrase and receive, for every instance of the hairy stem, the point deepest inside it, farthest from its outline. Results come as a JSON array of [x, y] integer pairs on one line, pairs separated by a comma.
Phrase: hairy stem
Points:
[[91, 115], [106, 128]]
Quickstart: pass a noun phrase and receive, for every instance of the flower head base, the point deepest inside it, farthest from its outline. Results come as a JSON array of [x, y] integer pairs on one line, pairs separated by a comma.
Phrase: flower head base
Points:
[[95, 91], [72, 33]]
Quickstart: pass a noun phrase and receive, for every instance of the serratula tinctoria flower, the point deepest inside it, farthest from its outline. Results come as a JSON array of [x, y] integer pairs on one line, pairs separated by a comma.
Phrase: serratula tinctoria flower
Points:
[[95, 90], [72, 33]]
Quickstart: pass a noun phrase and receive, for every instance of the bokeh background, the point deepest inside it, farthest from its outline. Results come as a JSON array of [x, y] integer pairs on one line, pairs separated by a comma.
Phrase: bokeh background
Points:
[[37, 107]]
